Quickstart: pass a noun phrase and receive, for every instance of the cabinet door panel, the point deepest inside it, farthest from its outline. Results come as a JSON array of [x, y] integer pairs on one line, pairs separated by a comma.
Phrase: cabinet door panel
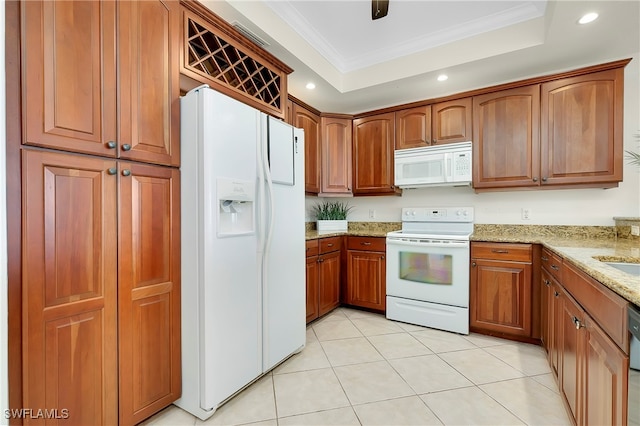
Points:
[[149, 290], [571, 378], [69, 285], [312, 288], [366, 273], [452, 121], [310, 122], [69, 75], [506, 138], [373, 146], [581, 129], [329, 282], [149, 94], [413, 127], [336, 156], [501, 297], [607, 370]]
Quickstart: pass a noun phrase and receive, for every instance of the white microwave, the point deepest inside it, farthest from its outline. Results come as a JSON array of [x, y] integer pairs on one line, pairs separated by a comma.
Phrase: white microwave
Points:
[[443, 165]]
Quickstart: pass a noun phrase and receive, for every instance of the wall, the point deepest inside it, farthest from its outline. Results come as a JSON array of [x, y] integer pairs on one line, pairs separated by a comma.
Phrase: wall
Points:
[[548, 207], [4, 316]]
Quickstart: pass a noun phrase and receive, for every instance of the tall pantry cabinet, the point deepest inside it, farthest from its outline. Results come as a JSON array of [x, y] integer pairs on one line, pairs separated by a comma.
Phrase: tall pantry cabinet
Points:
[[100, 208]]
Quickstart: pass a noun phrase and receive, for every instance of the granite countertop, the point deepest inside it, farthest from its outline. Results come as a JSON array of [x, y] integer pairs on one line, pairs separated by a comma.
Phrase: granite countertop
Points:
[[582, 246], [358, 229]]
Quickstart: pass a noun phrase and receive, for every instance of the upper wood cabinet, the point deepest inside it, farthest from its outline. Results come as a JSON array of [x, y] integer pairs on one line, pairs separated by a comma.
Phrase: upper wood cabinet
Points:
[[336, 156], [217, 54], [310, 122], [413, 127], [102, 79], [373, 146], [581, 129], [451, 121], [506, 141]]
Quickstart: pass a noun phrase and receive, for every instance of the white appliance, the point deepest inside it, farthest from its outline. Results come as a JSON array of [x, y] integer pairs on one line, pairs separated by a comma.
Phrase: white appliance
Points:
[[442, 165], [243, 273], [428, 268]]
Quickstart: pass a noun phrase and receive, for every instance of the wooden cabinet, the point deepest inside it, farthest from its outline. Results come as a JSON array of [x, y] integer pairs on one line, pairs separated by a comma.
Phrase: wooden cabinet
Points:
[[336, 156], [501, 289], [373, 146], [101, 79], [506, 141], [581, 129], [452, 121], [101, 240], [101, 272], [586, 340], [413, 127], [148, 289], [366, 272], [323, 276], [436, 124], [69, 287], [310, 122]]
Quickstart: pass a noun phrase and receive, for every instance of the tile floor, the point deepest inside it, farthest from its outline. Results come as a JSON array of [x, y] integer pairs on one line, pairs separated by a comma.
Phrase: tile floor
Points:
[[359, 368]]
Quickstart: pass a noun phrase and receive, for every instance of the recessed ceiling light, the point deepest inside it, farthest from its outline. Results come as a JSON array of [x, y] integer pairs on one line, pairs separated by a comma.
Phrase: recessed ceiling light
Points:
[[589, 17], [442, 77], [310, 86]]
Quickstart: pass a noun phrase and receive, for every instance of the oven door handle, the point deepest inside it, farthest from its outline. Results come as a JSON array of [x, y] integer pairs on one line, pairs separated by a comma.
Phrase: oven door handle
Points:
[[456, 244]]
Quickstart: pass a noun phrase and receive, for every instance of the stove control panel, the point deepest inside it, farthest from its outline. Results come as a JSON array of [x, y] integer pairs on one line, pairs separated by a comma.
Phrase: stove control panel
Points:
[[437, 214]]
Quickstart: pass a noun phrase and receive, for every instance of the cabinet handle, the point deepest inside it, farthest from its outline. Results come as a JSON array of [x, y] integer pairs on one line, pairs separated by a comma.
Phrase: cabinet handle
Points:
[[500, 251], [112, 171], [330, 245], [544, 258], [547, 283], [535, 179], [556, 294], [555, 267], [578, 323], [126, 147], [473, 264], [126, 172], [111, 145], [365, 243]]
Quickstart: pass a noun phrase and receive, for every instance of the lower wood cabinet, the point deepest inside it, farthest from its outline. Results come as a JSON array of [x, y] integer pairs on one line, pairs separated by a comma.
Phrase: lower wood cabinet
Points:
[[323, 276], [101, 283], [589, 361], [366, 272], [501, 289]]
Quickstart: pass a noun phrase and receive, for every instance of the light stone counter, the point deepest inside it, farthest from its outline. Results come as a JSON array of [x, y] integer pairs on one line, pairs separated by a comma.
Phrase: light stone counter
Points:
[[582, 246]]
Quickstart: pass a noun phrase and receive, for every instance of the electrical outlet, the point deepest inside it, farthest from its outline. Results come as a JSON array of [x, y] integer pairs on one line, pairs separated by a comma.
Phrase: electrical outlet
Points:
[[525, 214], [372, 214], [635, 230]]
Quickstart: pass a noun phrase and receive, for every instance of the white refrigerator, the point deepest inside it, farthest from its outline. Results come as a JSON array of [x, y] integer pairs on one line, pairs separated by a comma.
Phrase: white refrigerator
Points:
[[243, 264]]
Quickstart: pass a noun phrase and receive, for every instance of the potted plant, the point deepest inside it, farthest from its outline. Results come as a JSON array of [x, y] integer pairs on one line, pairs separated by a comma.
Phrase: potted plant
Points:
[[331, 216]]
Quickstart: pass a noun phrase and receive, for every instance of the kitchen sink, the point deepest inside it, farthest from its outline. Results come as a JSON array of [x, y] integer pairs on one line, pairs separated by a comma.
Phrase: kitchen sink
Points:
[[629, 268]]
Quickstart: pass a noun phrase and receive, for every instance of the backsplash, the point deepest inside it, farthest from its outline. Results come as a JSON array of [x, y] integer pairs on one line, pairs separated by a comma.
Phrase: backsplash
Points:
[[623, 227]]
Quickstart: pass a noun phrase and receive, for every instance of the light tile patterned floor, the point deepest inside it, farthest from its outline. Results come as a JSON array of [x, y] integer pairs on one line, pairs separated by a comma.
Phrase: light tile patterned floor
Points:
[[359, 368]]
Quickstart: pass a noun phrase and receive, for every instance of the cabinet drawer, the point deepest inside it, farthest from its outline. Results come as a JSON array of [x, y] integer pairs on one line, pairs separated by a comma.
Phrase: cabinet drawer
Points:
[[501, 251], [367, 243], [312, 248], [607, 308], [329, 244], [552, 263]]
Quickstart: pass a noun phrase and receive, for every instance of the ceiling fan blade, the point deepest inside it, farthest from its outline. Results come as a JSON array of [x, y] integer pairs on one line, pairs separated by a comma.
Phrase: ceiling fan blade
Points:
[[379, 9]]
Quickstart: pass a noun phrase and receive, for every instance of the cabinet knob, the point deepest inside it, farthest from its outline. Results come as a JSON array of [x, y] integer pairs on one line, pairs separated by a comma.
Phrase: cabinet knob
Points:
[[111, 145], [556, 294], [555, 267], [544, 179], [435, 141], [473, 264], [126, 147], [544, 258], [126, 172], [382, 257], [578, 323], [535, 179], [320, 260], [112, 171], [547, 283]]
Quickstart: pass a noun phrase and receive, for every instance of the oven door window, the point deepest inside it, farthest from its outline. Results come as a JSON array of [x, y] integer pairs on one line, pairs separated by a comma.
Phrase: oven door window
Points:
[[427, 268]]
